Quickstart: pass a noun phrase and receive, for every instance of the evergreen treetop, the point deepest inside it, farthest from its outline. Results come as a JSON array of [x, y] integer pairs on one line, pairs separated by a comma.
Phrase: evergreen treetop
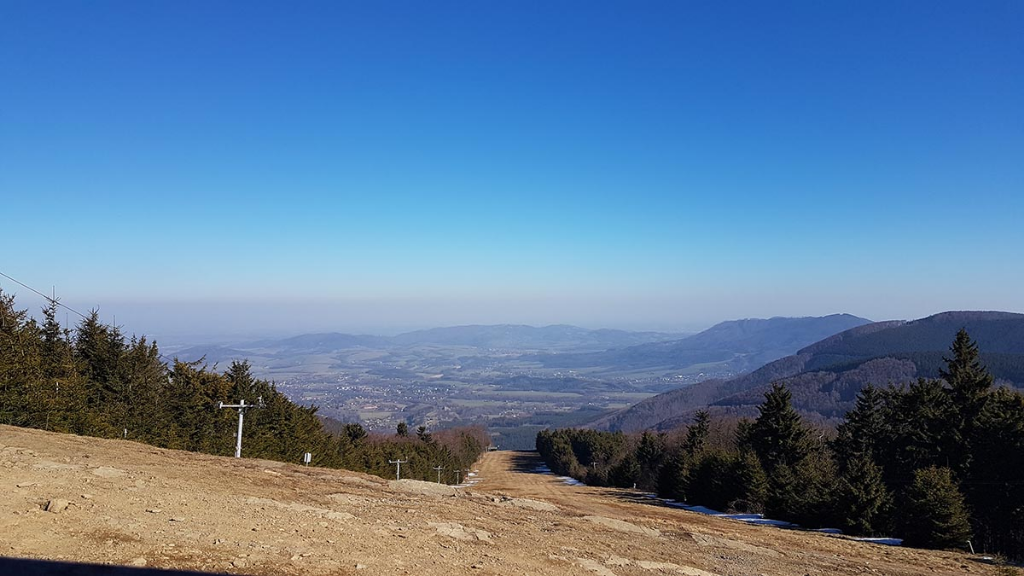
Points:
[[778, 436]]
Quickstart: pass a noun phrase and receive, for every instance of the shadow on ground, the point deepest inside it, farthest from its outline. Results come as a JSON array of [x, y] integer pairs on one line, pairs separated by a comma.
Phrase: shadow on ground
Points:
[[635, 497], [24, 567], [526, 462]]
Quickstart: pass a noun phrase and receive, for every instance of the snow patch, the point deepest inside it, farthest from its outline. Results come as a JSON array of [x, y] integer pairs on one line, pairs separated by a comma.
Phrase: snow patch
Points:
[[878, 540], [760, 520]]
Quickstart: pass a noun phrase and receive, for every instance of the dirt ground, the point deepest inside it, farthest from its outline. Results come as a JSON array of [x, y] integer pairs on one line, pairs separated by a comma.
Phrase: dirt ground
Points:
[[125, 503]]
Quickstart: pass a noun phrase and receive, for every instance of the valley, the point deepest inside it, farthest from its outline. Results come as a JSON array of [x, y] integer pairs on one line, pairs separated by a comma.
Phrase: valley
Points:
[[513, 379]]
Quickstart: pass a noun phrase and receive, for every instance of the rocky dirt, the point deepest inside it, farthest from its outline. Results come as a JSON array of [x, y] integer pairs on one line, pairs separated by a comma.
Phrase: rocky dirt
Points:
[[88, 500]]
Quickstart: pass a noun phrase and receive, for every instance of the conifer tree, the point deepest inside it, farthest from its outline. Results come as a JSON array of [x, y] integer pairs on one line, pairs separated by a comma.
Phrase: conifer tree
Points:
[[63, 390], [711, 481], [650, 457], [243, 385], [969, 385], [995, 489], [354, 432], [697, 434], [750, 476], [100, 349], [673, 474], [935, 515], [195, 422], [145, 380], [626, 473], [863, 427], [19, 361], [56, 351], [968, 380], [778, 436], [918, 431], [862, 501], [804, 492]]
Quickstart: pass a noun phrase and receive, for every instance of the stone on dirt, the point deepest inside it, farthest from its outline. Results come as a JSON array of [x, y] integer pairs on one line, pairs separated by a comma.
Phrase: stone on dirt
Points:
[[57, 505]]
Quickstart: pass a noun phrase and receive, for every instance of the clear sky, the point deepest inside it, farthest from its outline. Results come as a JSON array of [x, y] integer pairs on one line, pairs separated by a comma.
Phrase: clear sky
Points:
[[382, 165]]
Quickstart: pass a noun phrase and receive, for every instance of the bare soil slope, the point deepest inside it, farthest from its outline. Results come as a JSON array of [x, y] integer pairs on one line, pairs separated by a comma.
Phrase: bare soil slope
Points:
[[125, 503]]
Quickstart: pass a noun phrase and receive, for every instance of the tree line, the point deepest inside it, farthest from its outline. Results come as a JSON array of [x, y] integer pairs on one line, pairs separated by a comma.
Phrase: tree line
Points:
[[937, 463], [94, 381]]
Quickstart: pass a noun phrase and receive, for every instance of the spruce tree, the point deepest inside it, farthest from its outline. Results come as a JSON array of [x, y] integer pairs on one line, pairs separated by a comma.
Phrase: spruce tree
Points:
[[146, 392], [804, 492], [863, 427], [862, 501], [935, 515], [697, 434], [918, 431], [243, 384], [63, 389], [57, 359], [650, 456], [710, 481], [354, 432], [672, 476], [100, 350], [626, 473], [778, 436], [995, 489], [969, 385], [19, 359], [968, 380], [753, 482]]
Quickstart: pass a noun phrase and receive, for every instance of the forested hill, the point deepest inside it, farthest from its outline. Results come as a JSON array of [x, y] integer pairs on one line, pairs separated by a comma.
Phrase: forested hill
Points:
[[825, 377], [96, 382], [938, 463], [739, 345]]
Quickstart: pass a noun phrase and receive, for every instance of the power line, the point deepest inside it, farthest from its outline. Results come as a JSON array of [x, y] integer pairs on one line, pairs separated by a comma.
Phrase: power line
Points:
[[65, 306], [48, 298]]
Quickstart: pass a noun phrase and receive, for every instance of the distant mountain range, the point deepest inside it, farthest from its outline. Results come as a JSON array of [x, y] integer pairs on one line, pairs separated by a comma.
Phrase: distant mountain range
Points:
[[520, 337], [508, 337], [739, 345], [826, 376], [732, 347]]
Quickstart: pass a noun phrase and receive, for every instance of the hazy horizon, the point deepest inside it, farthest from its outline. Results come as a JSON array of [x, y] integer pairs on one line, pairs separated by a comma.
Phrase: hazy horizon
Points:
[[207, 322]]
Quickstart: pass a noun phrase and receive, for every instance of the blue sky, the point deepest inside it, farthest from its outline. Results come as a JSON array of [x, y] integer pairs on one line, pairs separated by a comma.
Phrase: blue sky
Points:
[[382, 165]]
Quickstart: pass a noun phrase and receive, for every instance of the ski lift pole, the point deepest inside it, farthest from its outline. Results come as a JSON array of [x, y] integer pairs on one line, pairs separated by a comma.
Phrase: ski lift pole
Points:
[[398, 467], [241, 407]]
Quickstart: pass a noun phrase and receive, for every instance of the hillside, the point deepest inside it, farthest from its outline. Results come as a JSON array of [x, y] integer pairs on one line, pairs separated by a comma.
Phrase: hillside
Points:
[[738, 345], [459, 374], [826, 376], [113, 501]]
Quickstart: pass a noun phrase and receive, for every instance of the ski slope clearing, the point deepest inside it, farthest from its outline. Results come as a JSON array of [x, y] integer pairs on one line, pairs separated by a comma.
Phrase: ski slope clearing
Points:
[[108, 501]]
